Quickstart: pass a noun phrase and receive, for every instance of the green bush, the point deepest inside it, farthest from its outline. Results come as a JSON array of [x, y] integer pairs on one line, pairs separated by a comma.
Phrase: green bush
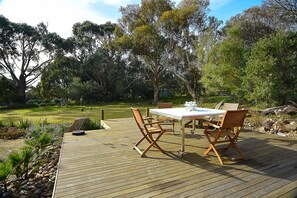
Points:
[[91, 125]]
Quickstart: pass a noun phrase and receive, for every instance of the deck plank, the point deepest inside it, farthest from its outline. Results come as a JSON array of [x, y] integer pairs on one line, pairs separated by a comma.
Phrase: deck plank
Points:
[[103, 164]]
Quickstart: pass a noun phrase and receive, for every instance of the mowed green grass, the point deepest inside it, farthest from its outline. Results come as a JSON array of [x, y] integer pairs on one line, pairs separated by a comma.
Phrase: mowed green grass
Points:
[[67, 114], [55, 114]]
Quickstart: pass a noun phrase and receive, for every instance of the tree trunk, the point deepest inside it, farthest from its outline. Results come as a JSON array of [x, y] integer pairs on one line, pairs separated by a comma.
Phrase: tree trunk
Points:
[[191, 91], [285, 109], [156, 88], [22, 89]]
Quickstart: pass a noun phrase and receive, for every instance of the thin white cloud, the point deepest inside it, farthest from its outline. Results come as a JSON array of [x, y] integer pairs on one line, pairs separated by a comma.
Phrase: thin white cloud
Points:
[[60, 15], [217, 4], [116, 2]]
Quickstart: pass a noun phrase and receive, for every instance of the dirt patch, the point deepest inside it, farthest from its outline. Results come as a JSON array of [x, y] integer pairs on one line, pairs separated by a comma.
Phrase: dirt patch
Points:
[[7, 146]]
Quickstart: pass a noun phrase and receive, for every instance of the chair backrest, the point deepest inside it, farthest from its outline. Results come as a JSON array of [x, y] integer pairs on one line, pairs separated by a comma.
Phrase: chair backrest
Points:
[[233, 118], [230, 106], [218, 106], [162, 105], [138, 117]]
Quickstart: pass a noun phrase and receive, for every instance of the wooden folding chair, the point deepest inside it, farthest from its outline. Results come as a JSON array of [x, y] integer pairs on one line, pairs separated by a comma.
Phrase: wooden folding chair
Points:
[[164, 120], [225, 133], [225, 106], [148, 128]]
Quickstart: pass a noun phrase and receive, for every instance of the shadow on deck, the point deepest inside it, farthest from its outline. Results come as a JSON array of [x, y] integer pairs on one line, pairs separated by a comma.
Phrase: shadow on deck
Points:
[[102, 163]]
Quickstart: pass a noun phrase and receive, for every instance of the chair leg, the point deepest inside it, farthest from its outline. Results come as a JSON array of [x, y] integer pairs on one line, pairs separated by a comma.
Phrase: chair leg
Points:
[[138, 150], [139, 142], [208, 150], [218, 155], [153, 143], [239, 152], [212, 148]]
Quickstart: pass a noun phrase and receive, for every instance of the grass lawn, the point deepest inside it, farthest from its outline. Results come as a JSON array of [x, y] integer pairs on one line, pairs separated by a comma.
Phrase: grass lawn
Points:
[[57, 114], [68, 114]]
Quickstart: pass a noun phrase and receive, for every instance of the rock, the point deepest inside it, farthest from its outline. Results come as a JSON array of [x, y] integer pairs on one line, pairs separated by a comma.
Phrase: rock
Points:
[[292, 126], [268, 122], [262, 129], [279, 126], [39, 190], [79, 123]]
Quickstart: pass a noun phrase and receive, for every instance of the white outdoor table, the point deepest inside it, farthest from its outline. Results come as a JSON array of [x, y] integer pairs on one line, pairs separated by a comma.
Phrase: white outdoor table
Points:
[[182, 114]]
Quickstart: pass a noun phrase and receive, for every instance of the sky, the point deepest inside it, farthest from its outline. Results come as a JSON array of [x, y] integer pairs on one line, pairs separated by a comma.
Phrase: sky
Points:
[[60, 15]]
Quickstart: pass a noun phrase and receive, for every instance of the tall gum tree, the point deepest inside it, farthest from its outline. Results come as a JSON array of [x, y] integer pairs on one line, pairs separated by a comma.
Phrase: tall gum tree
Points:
[[25, 51], [138, 33], [100, 62], [191, 33]]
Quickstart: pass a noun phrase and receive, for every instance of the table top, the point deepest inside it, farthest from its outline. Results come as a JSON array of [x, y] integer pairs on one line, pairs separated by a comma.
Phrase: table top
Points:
[[182, 113]]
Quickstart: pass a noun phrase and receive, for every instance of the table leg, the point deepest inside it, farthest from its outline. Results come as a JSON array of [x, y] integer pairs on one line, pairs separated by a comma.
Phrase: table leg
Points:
[[193, 126], [181, 152]]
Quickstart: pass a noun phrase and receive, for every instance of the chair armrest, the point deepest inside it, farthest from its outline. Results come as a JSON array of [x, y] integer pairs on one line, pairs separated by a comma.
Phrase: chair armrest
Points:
[[152, 123], [148, 118], [211, 124]]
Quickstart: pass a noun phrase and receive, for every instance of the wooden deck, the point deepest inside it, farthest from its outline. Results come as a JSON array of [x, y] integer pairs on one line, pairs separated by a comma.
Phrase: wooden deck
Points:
[[103, 164]]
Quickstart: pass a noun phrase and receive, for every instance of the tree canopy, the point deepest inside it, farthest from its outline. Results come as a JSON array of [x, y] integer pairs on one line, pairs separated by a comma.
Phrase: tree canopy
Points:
[[157, 45], [25, 51]]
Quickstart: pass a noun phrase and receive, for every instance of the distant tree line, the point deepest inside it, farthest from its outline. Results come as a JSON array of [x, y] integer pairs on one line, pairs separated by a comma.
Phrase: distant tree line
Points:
[[156, 45]]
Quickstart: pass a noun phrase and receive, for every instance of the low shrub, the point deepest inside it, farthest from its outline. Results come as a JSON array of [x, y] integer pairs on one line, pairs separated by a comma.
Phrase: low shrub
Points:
[[91, 125], [24, 124]]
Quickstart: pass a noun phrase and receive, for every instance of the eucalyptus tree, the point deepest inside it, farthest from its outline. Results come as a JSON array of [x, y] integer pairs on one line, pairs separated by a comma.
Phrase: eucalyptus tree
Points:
[[284, 10], [191, 34], [57, 77], [88, 37], [224, 69], [139, 33], [101, 66], [25, 51]]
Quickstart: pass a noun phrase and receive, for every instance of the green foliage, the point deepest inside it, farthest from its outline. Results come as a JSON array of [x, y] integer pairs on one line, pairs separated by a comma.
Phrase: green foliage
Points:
[[271, 70], [57, 101], [42, 122], [57, 77], [2, 123], [16, 159], [139, 33], [87, 90], [5, 170], [20, 161], [39, 138], [27, 156], [11, 122], [8, 91], [24, 123], [92, 125], [19, 40], [225, 68]]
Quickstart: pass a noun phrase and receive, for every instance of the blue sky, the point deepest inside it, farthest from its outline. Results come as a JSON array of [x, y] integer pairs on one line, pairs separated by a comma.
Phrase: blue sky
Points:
[[60, 15]]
